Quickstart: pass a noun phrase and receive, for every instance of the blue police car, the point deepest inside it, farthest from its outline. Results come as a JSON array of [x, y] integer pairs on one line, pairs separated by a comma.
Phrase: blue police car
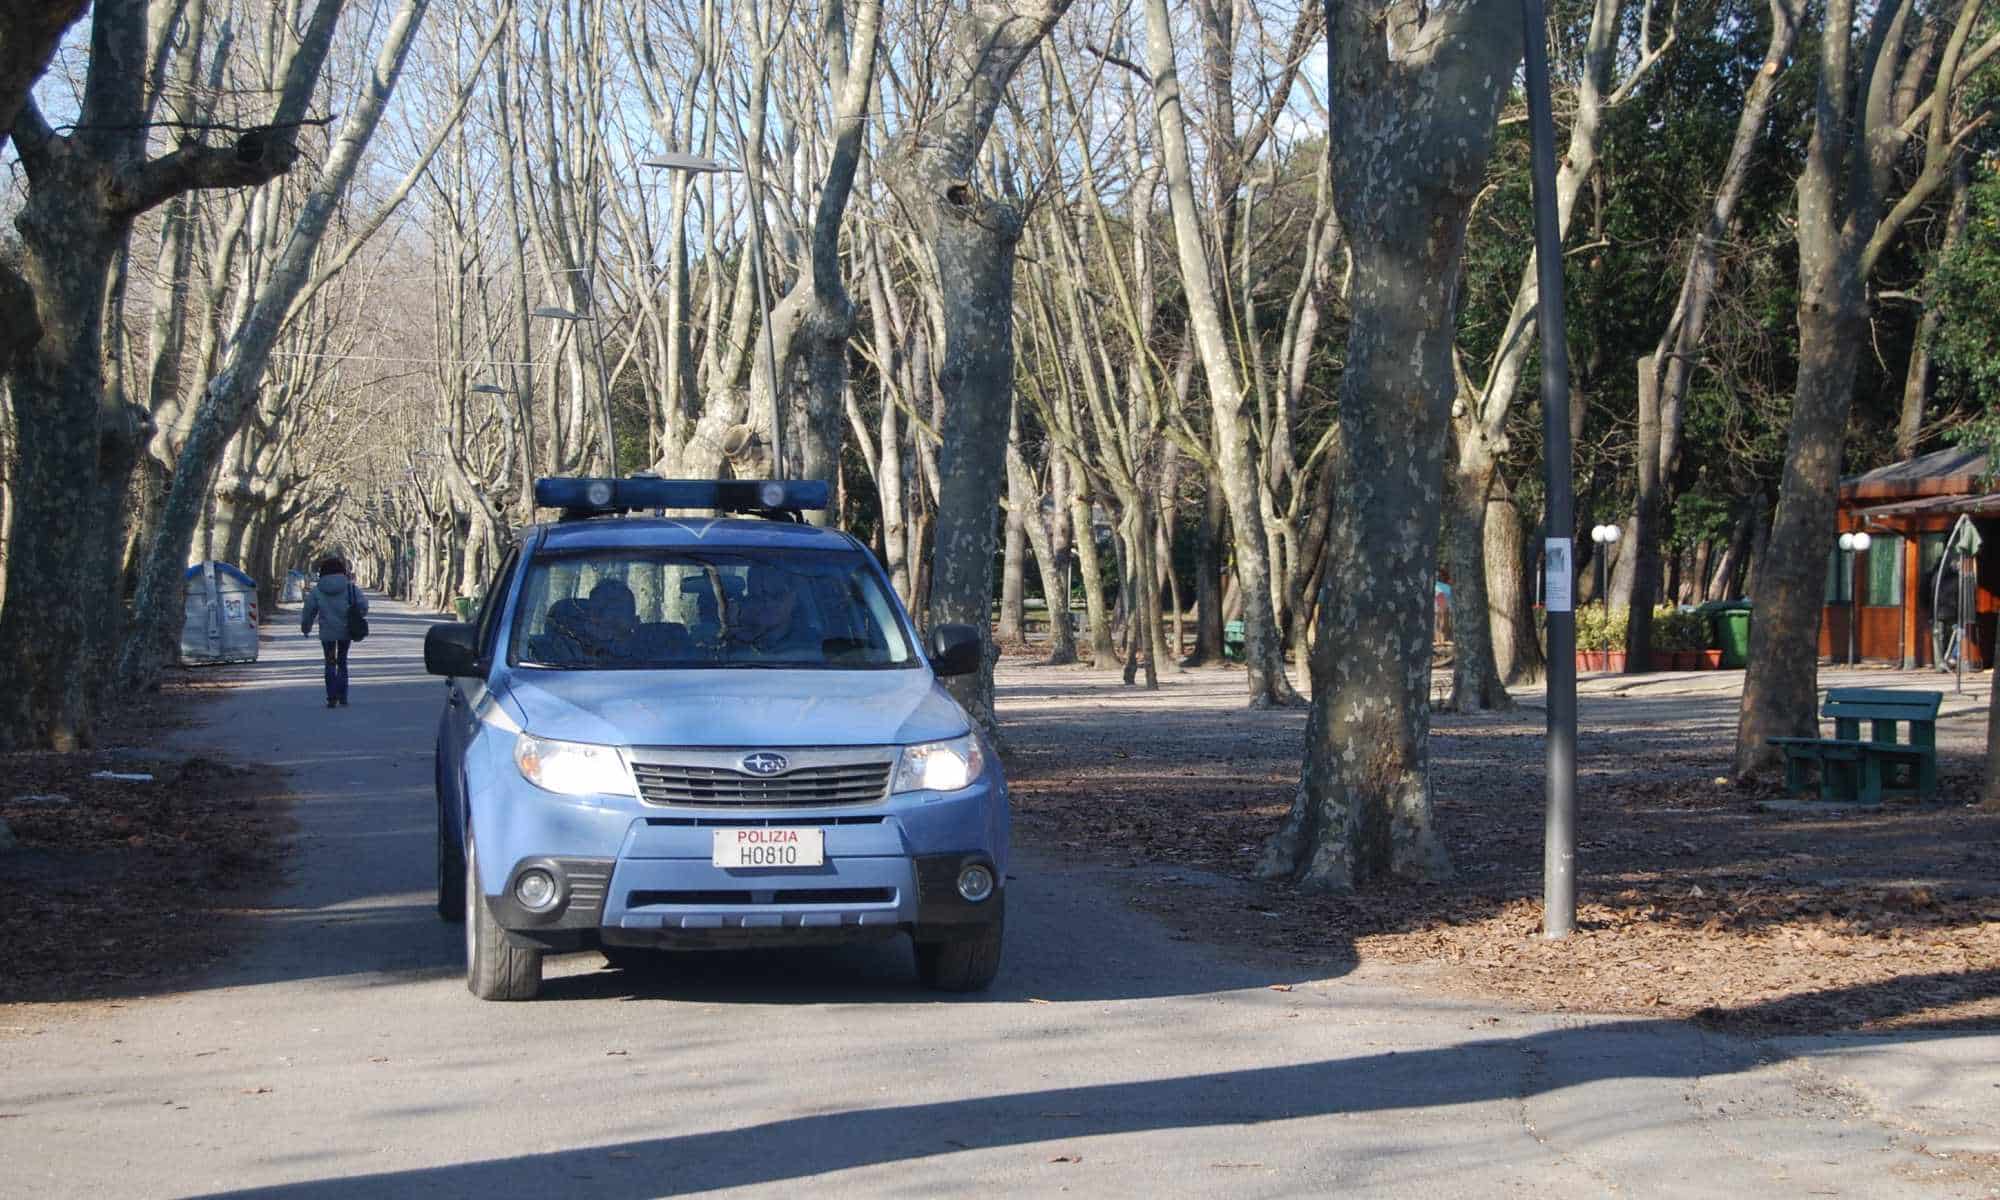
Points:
[[700, 732]]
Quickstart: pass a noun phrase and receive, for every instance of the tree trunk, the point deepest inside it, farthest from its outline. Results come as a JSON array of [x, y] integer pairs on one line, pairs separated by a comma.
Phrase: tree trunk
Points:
[[1475, 677], [1918, 379], [1665, 374], [1102, 652], [1510, 590], [971, 238], [1013, 571], [1236, 459], [1208, 580], [1415, 108], [1781, 684], [54, 390], [1055, 594]]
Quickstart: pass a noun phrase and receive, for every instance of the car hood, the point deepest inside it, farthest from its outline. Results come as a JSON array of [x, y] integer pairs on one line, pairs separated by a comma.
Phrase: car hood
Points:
[[737, 707]]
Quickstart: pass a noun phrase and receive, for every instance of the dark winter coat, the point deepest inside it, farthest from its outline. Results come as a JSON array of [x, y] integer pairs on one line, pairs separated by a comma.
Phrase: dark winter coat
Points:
[[335, 597]]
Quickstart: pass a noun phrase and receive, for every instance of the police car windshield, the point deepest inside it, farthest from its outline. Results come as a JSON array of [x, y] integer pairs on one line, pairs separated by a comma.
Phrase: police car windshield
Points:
[[704, 609]]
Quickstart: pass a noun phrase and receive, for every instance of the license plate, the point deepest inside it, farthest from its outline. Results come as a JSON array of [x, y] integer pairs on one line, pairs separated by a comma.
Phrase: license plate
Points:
[[761, 847]]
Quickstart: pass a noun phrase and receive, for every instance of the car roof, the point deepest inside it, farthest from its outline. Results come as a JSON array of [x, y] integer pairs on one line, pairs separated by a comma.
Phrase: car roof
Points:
[[651, 533]]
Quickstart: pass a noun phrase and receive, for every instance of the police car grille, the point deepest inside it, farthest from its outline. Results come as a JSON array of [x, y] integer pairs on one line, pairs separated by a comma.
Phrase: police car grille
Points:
[[850, 783]]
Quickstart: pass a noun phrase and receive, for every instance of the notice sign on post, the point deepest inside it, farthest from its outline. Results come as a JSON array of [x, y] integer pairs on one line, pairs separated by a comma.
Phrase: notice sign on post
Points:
[[1557, 594]]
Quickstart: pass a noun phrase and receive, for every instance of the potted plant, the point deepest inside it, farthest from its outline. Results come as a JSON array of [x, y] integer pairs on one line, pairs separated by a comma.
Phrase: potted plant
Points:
[[1677, 638], [1600, 639]]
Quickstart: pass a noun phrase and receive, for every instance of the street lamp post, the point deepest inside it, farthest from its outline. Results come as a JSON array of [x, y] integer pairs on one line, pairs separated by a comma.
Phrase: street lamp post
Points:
[[553, 313], [1853, 544], [675, 161], [1604, 537]]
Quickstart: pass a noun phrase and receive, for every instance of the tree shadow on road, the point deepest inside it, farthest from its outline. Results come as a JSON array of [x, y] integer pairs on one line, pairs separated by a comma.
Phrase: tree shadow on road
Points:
[[801, 1148]]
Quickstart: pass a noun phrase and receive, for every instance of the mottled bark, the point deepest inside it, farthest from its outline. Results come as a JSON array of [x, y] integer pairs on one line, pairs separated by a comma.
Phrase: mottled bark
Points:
[[85, 189], [1510, 590], [971, 239], [1867, 85], [1414, 109]]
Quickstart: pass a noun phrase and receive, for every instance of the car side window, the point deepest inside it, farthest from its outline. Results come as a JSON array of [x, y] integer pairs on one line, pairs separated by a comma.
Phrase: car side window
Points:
[[489, 610]]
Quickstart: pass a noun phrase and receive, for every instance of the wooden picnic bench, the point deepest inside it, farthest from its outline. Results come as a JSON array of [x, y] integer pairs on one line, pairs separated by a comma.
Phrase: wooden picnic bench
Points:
[[1854, 768]]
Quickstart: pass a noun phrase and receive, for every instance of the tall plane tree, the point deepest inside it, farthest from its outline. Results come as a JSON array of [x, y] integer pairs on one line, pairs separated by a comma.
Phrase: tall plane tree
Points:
[[970, 237], [86, 187], [1414, 94], [1883, 74]]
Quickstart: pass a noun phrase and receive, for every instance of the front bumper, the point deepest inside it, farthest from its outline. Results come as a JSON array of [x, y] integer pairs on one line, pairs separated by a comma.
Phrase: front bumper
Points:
[[635, 874]]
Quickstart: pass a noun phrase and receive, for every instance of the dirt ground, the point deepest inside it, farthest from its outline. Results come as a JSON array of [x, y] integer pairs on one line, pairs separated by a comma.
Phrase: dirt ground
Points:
[[1697, 898], [120, 883]]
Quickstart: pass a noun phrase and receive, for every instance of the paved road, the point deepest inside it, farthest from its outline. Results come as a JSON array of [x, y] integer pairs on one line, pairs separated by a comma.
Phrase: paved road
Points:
[[340, 1056]]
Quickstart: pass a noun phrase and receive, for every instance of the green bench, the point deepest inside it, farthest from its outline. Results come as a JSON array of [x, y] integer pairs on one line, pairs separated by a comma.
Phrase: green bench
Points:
[[1854, 768]]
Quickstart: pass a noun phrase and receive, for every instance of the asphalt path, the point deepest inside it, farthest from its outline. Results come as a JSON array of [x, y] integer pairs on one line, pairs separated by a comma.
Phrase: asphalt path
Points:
[[339, 1055]]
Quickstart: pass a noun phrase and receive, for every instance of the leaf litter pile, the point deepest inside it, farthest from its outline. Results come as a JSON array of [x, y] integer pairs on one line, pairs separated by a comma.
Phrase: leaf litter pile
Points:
[[1696, 898], [125, 859]]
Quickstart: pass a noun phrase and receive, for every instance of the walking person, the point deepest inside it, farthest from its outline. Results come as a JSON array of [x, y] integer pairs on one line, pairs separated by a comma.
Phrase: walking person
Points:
[[336, 602]]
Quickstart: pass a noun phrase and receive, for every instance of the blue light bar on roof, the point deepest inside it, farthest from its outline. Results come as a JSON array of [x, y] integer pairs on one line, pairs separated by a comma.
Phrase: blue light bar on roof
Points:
[[717, 495]]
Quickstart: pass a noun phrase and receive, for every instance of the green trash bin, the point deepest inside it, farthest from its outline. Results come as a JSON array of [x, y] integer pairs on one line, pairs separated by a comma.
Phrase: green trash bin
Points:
[[1729, 629], [464, 606]]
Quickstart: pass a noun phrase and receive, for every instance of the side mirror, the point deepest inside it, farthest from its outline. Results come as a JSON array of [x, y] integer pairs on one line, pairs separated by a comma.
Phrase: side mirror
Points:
[[955, 650], [451, 648]]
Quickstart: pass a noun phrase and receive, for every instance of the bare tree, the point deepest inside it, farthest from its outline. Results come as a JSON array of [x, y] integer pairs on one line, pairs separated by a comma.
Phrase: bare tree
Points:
[[970, 238], [156, 611], [85, 189], [1415, 92]]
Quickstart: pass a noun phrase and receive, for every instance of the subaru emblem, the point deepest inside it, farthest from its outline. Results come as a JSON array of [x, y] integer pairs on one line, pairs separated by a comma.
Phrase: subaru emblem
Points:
[[764, 763]]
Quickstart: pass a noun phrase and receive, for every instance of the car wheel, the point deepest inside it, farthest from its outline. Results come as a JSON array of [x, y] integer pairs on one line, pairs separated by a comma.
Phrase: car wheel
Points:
[[450, 872], [963, 961], [495, 968]]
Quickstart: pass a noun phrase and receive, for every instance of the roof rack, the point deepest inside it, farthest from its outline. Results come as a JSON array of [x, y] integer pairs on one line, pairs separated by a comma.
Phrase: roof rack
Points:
[[775, 499]]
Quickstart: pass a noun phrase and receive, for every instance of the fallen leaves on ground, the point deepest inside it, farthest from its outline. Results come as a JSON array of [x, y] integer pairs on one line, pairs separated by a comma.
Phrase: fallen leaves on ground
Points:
[[119, 882], [1697, 899]]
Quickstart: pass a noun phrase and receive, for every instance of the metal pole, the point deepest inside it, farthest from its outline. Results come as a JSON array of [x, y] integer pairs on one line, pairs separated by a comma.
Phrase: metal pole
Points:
[[1604, 598], [1559, 836], [1964, 644], [1853, 602]]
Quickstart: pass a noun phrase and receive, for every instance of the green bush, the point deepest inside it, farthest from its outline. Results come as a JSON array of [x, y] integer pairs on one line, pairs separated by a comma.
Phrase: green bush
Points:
[[1598, 628], [1674, 629]]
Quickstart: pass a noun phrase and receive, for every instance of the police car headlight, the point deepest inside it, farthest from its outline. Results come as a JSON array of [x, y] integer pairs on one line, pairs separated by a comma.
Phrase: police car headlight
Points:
[[940, 766], [572, 768]]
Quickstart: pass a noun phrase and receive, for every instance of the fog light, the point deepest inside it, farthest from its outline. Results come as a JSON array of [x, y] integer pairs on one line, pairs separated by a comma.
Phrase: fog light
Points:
[[536, 889], [975, 883]]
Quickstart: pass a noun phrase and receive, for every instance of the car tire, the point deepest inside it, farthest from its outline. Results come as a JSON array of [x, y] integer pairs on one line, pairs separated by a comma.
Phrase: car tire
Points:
[[963, 961], [495, 968], [450, 872]]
